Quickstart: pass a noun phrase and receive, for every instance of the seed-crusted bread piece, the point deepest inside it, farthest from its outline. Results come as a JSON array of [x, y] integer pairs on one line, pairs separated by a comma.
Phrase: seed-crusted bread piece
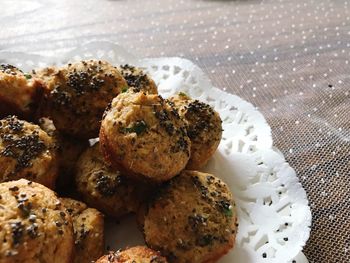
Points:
[[137, 79], [34, 226], [26, 151], [105, 188], [19, 92], [77, 94], [88, 224], [139, 254], [204, 128], [144, 136], [192, 219]]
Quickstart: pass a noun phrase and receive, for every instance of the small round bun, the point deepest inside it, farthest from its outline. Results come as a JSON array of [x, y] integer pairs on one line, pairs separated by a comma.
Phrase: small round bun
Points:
[[34, 225], [105, 188], [204, 129], [88, 224], [138, 80], [26, 151], [144, 136], [139, 254], [77, 94], [193, 219], [19, 92]]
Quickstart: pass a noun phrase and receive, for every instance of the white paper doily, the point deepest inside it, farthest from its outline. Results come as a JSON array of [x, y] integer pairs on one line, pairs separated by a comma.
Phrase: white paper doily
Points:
[[273, 212]]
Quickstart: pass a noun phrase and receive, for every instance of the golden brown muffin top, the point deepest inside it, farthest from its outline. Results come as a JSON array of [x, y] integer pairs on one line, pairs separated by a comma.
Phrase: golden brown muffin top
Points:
[[192, 219], [77, 95], [145, 135], [26, 151], [34, 225]]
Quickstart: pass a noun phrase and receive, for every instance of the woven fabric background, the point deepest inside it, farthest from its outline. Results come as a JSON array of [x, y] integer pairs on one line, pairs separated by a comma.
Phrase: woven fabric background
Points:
[[290, 58]]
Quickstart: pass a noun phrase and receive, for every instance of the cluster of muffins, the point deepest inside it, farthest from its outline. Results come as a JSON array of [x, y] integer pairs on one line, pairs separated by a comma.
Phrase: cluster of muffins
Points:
[[89, 140]]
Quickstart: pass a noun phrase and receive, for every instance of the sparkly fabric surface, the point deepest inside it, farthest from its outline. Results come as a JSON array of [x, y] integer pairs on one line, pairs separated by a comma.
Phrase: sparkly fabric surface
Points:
[[289, 58]]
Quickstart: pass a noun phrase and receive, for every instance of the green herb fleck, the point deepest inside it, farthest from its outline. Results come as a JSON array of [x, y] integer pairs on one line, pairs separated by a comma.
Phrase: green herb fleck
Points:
[[124, 89], [139, 127], [228, 212], [27, 75], [183, 94]]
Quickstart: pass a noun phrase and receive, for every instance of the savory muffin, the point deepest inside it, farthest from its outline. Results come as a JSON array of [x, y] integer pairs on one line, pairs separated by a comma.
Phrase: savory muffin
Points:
[[193, 219], [138, 80], [139, 254], [68, 151], [26, 151], [144, 136], [88, 224], [34, 225], [204, 128], [105, 188], [19, 92], [77, 94]]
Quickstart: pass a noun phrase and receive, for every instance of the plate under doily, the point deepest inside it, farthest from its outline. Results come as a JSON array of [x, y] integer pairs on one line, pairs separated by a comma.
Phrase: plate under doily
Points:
[[273, 212]]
